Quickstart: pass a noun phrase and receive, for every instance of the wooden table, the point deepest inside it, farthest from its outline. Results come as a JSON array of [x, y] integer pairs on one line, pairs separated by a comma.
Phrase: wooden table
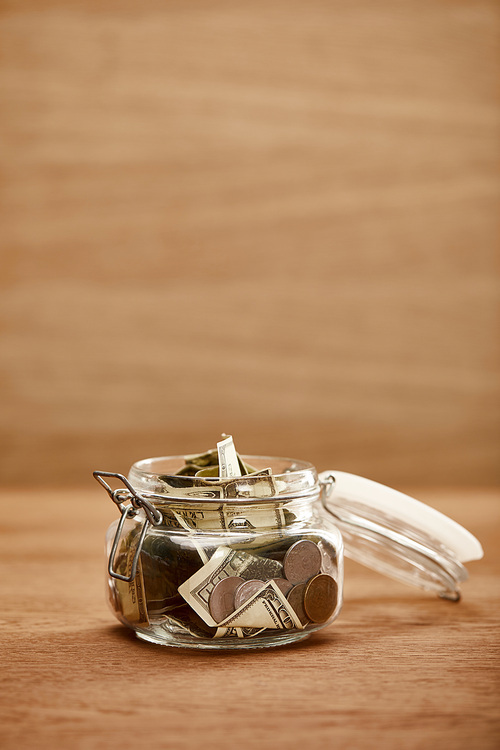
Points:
[[399, 669]]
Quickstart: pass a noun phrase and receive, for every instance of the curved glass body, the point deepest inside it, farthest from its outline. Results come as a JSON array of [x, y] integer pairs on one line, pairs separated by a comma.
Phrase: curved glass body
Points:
[[241, 562]]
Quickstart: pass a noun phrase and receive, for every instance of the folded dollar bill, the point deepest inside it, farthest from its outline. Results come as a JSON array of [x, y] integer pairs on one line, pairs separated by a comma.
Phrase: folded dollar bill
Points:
[[267, 608]]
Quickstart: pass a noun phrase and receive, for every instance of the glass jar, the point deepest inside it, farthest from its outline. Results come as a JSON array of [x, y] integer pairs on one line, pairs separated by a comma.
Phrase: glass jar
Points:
[[257, 560]]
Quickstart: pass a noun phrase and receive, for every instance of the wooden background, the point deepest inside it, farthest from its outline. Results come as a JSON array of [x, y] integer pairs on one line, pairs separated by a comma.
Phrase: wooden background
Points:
[[266, 218]]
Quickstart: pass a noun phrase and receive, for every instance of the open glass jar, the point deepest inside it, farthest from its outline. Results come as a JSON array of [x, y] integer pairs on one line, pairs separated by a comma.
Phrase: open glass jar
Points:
[[257, 560]]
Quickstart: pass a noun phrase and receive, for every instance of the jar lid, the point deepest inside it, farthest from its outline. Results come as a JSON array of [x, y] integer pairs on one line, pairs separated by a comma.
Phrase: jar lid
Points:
[[399, 536]]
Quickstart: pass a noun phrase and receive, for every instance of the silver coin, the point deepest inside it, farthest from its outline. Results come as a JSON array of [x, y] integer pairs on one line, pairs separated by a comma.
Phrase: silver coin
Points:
[[246, 590], [283, 584], [262, 568], [328, 558], [302, 561], [221, 601]]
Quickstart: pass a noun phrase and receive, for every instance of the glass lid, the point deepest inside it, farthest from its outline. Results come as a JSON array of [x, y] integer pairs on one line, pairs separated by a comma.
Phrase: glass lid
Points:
[[397, 535]]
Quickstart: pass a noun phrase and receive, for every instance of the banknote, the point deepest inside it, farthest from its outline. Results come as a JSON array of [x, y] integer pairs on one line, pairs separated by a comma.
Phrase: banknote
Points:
[[225, 562], [228, 458], [235, 517], [197, 589], [183, 626], [209, 471], [209, 458], [207, 464], [267, 608], [226, 517], [131, 596], [199, 462], [238, 632], [257, 484]]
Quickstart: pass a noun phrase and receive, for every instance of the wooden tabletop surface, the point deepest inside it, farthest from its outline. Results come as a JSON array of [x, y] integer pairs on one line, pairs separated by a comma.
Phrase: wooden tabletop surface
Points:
[[399, 668]]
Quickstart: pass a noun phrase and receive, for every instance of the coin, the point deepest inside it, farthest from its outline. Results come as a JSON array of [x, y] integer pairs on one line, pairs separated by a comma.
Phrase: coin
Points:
[[328, 559], [283, 584], [295, 598], [262, 568], [302, 561], [320, 597], [221, 601], [246, 590]]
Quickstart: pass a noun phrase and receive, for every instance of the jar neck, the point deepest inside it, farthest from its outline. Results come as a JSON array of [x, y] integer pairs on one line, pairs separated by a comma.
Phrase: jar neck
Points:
[[275, 479], [236, 516]]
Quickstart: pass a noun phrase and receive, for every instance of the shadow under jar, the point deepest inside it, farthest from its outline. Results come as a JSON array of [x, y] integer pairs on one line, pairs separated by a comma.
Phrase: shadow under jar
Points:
[[257, 560]]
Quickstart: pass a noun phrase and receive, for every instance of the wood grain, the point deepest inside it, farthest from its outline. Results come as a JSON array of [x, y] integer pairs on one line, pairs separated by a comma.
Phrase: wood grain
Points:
[[399, 668], [272, 219]]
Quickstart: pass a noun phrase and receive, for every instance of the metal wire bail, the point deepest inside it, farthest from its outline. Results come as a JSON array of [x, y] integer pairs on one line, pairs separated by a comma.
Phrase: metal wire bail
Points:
[[137, 502], [120, 495]]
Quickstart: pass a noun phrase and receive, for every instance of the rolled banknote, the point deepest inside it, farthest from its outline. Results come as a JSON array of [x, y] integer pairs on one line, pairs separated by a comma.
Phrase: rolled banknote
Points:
[[131, 595], [229, 465]]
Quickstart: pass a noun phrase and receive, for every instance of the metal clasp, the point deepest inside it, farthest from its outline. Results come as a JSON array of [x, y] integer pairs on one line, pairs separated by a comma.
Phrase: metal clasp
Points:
[[137, 502], [327, 484]]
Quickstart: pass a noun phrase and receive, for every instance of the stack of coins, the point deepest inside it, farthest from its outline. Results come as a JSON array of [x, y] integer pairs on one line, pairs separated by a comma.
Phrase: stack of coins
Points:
[[311, 593], [314, 594]]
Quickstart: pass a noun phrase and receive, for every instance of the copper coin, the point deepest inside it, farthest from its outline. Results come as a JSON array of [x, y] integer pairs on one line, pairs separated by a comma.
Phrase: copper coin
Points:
[[320, 598], [302, 561], [295, 598], [221, 601], [283, 584], [245, 590]]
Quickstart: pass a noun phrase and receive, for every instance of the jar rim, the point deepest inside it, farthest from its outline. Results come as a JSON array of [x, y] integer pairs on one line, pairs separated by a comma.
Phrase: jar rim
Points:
[[290, 478]]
